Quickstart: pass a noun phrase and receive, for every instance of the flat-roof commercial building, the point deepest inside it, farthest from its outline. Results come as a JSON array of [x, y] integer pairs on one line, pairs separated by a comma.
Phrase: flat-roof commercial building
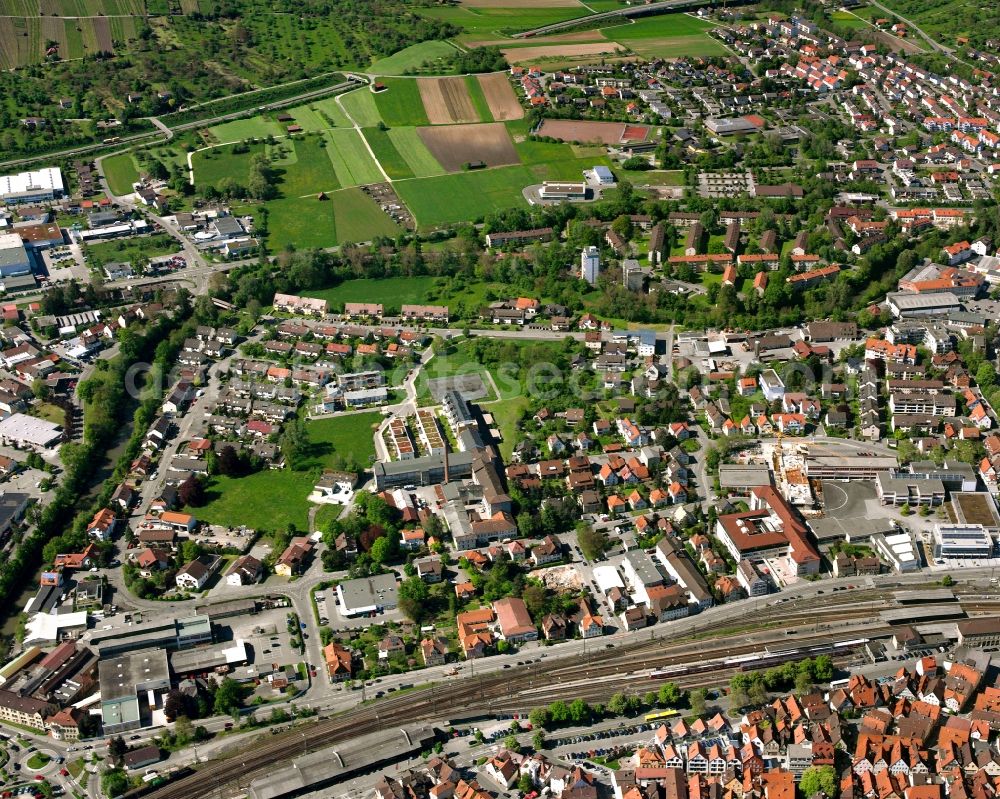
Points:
[[208, 658], [132, 687], [899, 488], [732, 475], [175, 634], [962, 541], [848, 467], [367, 594], [903, 304], [29, 431], [563, 191], [428, 470], [35, 186]]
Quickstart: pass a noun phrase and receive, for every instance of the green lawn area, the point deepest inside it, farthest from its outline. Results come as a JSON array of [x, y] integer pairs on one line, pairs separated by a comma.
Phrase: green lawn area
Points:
[[387, 154], [121, 172], [360, 104], [271, 500], [391, 291], [137, 250], [506, 415], [38, 760], [257, 127], [464, 196], [400, 103], [412, 57], [46, 410], [478, 98], [848, 20], [351, 160]]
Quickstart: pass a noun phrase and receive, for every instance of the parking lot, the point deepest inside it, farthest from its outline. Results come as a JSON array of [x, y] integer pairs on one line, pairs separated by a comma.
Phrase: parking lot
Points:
[[267, 638]]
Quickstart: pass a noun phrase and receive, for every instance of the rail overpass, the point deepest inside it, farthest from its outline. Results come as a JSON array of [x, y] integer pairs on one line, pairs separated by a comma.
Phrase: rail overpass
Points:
[[658, 7]]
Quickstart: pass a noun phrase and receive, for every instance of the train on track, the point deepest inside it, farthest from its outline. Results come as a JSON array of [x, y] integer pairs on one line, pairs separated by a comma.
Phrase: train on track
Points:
[[757, 660]]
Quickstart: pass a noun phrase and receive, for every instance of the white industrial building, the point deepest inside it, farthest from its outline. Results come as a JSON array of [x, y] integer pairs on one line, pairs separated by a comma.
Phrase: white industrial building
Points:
[[35, 186]]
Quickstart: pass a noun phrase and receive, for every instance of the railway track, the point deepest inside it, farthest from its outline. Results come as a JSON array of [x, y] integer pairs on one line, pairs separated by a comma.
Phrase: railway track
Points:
[[521, 689]]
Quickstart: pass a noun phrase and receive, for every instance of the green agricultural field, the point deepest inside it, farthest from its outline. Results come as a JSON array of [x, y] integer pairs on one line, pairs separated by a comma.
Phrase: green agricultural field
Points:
[[346, 215], [358, 217], [211, 166], [351, 160], [121, 172], [464, 196], [330, 111], [478, 98], [360, 105], [311, 172], [400, 103], [307, 118], [388, 156], [420, 160], [411, 58], [258, 127], [136, 250], [661, 26], [271, 500], [306, 223], [667, 36]]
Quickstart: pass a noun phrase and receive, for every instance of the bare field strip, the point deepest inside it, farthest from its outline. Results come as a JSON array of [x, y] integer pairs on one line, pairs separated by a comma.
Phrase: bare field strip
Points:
[[559, 38], [522, 54], [582, 130], [500, 97], [455, 146], [446, 101]]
